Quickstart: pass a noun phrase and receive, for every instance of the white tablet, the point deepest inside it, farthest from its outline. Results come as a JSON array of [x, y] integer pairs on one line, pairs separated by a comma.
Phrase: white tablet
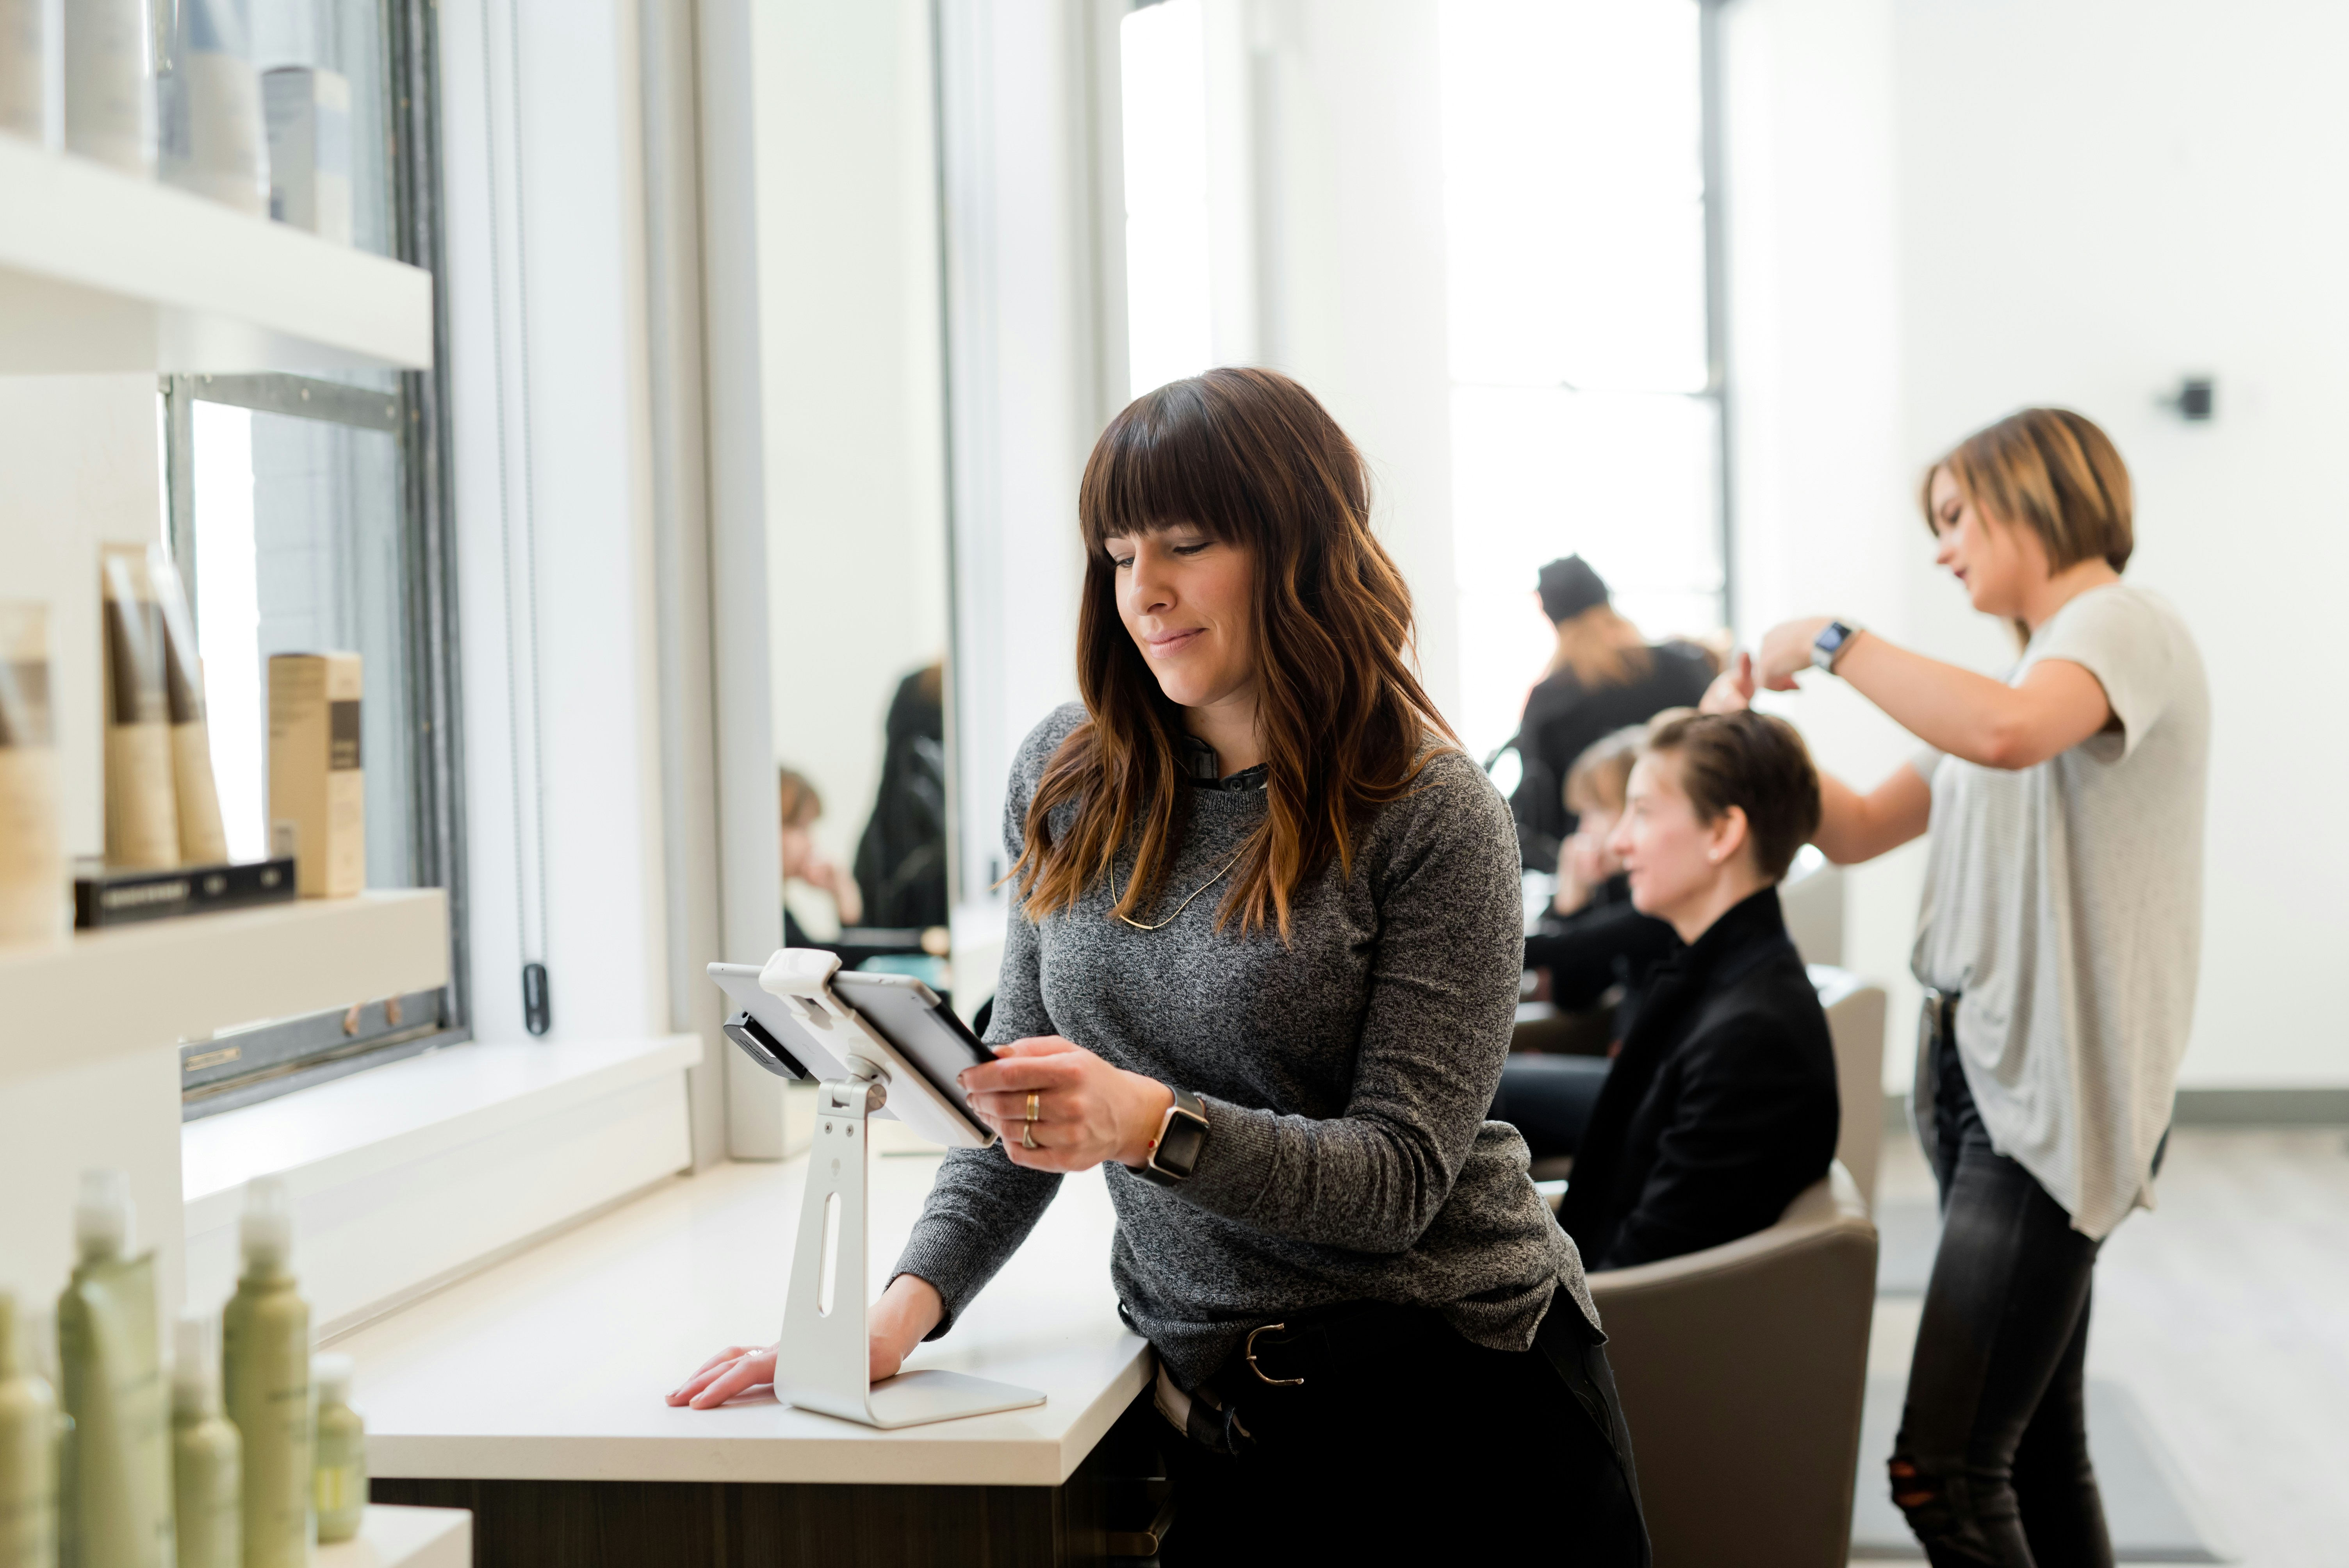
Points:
[[908, 1034]]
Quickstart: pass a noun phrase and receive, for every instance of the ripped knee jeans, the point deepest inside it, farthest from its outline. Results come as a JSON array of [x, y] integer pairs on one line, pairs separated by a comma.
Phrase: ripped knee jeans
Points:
[[1992, 1467]]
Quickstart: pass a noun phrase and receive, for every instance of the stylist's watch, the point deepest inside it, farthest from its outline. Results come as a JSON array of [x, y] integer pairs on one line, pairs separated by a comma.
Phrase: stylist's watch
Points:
[[1182, 1134], [1830, 644]]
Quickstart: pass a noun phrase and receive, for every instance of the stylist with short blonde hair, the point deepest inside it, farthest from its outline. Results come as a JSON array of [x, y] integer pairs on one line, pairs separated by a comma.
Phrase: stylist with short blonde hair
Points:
[[2059, 941]]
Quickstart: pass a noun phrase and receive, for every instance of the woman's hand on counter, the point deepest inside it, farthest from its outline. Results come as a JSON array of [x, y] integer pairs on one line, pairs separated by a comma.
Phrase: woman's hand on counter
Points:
[[900, 1320], [734, 1370], [1087, 1113]]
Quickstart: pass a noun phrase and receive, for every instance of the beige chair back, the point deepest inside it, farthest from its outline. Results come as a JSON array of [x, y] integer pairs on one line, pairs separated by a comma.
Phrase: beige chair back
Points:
[[1854, 1010], [1742, 1369]]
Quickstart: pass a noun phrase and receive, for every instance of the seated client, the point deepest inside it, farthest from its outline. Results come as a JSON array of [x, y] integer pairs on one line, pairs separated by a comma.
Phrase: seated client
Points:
[[1721, 1105]]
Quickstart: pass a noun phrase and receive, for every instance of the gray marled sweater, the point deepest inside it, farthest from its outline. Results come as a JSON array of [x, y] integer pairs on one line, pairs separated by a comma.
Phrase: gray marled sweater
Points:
[[1346, 1078]]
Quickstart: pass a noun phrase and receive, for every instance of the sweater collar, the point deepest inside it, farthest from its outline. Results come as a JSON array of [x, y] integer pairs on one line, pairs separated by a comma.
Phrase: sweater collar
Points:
[[1199, 763]]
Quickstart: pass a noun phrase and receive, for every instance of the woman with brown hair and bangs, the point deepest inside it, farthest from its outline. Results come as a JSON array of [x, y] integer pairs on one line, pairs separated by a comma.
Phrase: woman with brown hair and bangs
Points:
[[1262, 967]]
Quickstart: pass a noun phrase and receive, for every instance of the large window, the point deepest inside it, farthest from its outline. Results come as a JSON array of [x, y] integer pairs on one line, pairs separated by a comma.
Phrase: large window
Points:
[[1586, 386], [306, 514], [1162, 97]]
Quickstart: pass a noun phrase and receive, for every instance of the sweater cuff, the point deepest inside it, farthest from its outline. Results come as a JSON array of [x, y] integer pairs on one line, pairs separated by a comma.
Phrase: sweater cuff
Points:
[[1237, 1162], [940, 1251]]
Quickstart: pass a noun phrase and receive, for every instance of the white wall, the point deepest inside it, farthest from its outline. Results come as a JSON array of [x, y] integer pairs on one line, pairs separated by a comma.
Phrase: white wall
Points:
[[1822, 503], [855, 409], [2086, 201]]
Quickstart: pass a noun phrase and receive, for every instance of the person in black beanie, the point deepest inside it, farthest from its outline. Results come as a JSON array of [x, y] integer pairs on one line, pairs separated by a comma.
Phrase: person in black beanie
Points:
[[1603, 676]]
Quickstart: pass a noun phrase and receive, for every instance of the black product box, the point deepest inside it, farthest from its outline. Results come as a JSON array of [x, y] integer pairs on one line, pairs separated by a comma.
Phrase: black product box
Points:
[[103, 896]]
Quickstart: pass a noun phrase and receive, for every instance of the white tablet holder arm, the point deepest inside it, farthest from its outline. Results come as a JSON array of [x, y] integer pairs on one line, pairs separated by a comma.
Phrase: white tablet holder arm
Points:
[[822, 1361]]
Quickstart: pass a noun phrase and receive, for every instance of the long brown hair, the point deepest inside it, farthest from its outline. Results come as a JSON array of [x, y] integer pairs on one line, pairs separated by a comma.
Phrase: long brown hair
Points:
[[1252, 460], [1601, 648]]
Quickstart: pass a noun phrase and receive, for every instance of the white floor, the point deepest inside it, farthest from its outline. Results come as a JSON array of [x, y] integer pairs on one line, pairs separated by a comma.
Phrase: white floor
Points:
[[2226, 1312]]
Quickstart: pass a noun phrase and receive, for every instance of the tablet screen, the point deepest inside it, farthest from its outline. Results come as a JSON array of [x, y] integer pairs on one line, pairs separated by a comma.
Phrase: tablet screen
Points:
[[924, 1030]]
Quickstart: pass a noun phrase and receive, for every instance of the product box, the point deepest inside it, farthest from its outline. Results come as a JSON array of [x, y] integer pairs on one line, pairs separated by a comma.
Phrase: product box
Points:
[[309, 113], [142, 809], [317, 794]]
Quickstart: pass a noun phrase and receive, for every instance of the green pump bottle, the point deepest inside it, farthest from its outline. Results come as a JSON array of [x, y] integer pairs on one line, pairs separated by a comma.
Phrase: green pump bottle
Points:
[[28, 1450], [207, 1471], [265, 1344]]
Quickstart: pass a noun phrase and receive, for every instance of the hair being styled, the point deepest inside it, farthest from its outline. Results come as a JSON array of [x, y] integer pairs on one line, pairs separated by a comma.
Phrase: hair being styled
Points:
[[1754, 762], [1252, 460], [2051, 472], [1601, 648], [1601, 776]]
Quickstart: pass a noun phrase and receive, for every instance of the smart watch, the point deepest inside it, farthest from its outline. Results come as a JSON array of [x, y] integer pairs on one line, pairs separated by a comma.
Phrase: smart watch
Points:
[[1182, 1134], [1830, 644]]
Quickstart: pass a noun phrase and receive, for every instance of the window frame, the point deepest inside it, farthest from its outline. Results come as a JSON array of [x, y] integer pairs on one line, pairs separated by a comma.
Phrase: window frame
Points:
[[280, 1057]]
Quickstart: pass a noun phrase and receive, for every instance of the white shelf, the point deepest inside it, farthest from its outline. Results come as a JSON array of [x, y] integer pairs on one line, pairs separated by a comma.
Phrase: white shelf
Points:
[[100, 271], [136, 986], [394, 1537]]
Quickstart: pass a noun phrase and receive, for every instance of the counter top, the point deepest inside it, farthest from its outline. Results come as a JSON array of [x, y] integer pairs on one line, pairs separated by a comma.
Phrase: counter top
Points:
[[553, 1365]]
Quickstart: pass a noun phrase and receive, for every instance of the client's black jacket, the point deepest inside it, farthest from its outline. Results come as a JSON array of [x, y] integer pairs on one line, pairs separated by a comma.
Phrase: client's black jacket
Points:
[[1721, 1107]]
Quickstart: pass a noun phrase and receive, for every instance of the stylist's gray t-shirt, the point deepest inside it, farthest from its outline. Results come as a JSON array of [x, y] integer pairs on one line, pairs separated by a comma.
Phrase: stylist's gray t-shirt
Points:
[[2065, 903]]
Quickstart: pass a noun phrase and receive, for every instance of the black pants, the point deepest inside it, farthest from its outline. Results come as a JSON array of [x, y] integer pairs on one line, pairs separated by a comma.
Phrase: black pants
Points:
[[1433, 1443], [1549, 1099], [1992, 1466]]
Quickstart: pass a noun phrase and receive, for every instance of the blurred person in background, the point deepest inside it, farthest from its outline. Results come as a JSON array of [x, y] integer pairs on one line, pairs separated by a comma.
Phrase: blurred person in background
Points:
[[805, 864], [901, 861], [1602, 676], [2059, 943]]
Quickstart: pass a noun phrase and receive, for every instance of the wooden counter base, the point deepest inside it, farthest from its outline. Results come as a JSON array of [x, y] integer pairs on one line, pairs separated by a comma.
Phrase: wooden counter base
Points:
[[761, 1524]]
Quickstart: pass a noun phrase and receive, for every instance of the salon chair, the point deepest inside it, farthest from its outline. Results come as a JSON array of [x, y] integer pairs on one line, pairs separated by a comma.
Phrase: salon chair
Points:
[[1854, 1010], [1742, 1369]]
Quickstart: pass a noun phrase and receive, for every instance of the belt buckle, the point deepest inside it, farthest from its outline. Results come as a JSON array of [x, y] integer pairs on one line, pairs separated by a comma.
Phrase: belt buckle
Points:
[[1261, 1375]]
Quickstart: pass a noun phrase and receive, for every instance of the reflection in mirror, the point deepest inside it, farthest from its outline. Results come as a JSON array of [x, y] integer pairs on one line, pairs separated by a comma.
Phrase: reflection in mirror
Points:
[[855, 492]]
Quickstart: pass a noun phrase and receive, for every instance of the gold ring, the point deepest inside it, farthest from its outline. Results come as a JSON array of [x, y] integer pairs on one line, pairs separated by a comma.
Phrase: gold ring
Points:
[[1027, 1136], [1035, 1107]]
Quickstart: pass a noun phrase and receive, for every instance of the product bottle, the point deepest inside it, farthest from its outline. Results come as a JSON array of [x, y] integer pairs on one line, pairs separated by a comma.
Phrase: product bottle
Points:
[[207, 1471], [34, 907], [110, 83], [213, 143], [28, 1450], [118, 1500], [265, 1345], [342, 1452], [26, 38]]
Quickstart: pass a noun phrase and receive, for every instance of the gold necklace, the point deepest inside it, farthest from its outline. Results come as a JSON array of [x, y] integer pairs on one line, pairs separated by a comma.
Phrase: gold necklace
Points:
[[1178, 908]]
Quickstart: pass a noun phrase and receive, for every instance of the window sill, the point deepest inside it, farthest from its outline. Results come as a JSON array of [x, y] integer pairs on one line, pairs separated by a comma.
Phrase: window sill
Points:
[[413, 1174]]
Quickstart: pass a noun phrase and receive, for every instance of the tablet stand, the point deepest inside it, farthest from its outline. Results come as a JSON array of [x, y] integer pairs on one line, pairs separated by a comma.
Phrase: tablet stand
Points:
[[822, 1361]]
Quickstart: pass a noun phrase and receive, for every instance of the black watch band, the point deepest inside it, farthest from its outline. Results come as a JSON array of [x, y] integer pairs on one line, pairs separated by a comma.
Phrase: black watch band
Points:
[[1182, 1135]]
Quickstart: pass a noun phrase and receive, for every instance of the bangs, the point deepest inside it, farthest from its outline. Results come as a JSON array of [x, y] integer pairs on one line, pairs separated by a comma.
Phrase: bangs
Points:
[[1166, 460]]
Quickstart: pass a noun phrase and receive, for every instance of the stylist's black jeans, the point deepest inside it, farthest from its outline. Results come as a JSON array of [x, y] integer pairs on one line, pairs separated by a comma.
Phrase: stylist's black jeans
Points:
[[1992, 1466], [1428, 1442]]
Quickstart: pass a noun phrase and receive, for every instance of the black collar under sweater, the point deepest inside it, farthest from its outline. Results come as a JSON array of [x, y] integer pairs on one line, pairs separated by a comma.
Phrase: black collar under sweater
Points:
[[1747, 932]]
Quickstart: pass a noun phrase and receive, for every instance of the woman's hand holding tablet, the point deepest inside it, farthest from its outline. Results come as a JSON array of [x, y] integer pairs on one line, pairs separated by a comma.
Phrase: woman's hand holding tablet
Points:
[[1059, 1107]]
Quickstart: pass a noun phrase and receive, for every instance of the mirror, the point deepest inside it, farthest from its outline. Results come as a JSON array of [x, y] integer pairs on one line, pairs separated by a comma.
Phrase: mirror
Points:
[[855, 488]]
